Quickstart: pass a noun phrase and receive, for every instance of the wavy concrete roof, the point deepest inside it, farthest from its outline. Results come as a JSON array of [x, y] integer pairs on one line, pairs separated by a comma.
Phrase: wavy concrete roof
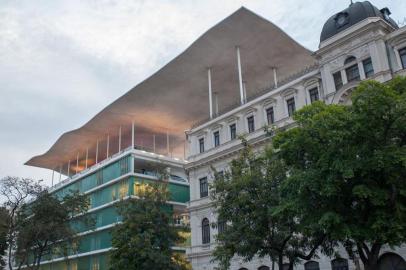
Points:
[[176, 96]]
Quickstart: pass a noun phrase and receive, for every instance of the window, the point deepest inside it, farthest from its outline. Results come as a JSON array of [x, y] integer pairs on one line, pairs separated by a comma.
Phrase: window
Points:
[[270, 116], [204, 187], [291, 106], [251, 124], [338, 80], [205, 231], [349, 60], [311, 265], [339, 264], [263, 267], [368, 67], [402, 54], [352, 73], [285, 266], [216, 137], [314, 94], [233, 131], [221, 226], [201, 145]]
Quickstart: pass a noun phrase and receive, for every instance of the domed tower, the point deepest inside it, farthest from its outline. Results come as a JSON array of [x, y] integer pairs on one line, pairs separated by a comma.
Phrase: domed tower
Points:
[[353, 48]]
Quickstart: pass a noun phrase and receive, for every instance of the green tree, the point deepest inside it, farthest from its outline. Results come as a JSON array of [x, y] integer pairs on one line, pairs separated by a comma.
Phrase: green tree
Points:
[[14, 193], [44, 227], [145, 238], [347, 168], [249, 199], [4, 224]]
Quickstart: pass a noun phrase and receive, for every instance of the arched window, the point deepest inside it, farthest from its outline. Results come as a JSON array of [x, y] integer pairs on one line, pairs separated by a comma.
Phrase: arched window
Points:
[[205, 231], [391, 261], [311, 265], [263, 267], [339, 264], [349, 60]]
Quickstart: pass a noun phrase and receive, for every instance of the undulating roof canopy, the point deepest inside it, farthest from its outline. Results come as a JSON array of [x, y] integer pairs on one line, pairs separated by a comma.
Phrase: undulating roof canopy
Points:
[[176, 96]]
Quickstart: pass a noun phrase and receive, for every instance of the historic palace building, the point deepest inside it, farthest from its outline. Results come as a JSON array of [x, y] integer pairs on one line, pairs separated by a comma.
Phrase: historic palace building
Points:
[[241, 75]]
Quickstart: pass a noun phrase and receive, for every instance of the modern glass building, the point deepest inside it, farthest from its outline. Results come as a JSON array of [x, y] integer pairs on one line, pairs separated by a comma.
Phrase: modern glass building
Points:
[[118, 177]]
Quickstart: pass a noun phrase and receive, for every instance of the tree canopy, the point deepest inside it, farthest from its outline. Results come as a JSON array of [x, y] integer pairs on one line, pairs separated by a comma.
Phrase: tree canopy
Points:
[[146, 236], [347, 168], [249, 199]]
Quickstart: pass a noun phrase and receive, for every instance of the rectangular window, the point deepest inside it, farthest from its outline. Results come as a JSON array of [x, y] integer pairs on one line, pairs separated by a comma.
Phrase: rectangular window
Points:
[[221, 226], [216, 137], [201, 145], [291, 106], [204, 187], [368, 68], [251, 124], [270, 117], [338, 80], [233, 131], [402, 54], [352, 73], [314, 94]]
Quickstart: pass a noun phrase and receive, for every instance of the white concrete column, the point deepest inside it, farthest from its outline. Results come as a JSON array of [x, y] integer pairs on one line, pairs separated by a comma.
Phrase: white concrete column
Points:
[[240, 75], [275, 78], [361, 71], [52, 181], [60, 173], [69, 168], [344, 76], [210, 93], [97, 151]]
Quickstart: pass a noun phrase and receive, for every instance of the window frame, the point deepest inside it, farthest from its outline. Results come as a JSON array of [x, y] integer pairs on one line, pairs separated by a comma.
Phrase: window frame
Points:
[[201, 144], [370, 73], [205, 231], [233, 136], [350, 71], [267, 115], [287, 102], [338, 83], [204, 187], [313, 89], [216, 139], [250, 128]]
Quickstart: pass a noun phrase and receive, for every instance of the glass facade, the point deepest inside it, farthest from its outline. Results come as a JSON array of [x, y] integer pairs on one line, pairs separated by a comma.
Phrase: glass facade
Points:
[[105, 187]]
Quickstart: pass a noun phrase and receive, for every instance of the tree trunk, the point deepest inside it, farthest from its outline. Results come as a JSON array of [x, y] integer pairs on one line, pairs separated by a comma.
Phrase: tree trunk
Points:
[[280, 262], [369, 257]]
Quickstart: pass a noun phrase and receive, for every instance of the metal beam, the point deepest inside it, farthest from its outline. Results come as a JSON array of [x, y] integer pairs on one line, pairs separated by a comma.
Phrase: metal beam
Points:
[[240, 75], [210, 92]]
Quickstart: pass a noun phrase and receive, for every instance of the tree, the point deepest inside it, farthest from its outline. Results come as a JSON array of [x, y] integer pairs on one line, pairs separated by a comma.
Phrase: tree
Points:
[[15, 192], [249, 199], [145, 238], [347, 168], [4, 221], [43, 226]]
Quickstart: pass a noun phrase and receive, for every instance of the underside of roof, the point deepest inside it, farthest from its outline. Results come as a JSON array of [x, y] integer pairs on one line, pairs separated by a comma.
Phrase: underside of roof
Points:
[[176, 96]]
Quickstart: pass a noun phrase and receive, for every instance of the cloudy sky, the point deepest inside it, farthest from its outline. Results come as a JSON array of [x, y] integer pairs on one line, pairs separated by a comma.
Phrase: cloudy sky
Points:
[[61, 62]]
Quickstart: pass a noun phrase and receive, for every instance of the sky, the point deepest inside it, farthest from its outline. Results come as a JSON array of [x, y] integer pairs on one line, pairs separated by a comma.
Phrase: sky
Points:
[[61, 62]]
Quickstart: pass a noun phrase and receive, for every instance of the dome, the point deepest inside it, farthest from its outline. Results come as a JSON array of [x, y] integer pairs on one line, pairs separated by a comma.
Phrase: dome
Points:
[[350, 16]]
